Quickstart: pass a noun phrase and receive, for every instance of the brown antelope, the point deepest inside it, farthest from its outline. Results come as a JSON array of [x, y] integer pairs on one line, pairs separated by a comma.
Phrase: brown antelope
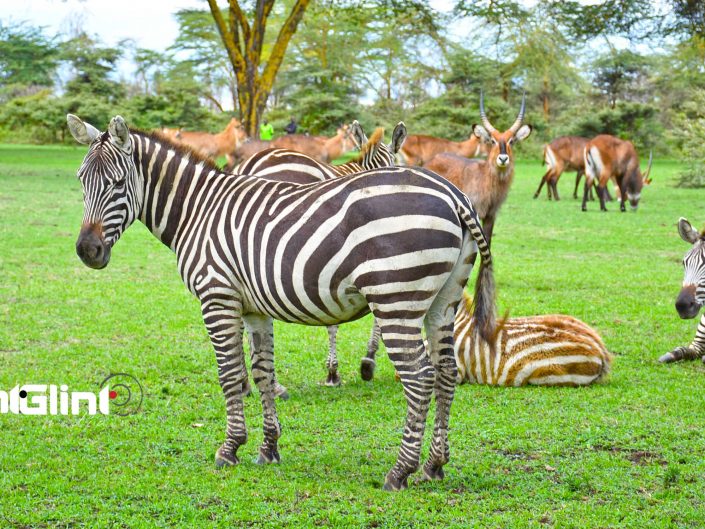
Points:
[[485, 182], [562, 154], [170, 133], [322, 149], [420, 149], [214, 145], [608, 157], [245, 150]]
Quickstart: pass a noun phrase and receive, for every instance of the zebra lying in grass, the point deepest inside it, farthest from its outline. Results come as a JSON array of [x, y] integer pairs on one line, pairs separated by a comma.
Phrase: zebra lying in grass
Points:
[[692, 296], [397, 242], [553, 350]]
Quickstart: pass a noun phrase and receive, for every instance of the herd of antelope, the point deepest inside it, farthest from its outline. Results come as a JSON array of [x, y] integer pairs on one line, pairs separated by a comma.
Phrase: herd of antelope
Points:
[[543, 350]]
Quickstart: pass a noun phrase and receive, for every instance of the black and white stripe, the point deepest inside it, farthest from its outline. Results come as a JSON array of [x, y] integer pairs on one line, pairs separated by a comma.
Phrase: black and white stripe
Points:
[[397, 242]]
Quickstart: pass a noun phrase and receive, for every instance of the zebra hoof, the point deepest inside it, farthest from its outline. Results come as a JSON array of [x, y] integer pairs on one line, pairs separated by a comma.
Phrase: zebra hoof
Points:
[[667, 358], [367, 369], [393, 484], [225, 458], [433, 472], [333, 380], [281, 392], [268, 457]]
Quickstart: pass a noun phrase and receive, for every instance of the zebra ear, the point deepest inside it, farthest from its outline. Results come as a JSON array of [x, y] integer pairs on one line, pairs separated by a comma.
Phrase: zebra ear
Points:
[[398, 137], [82, 132], [120, 134], [358, 134], [687, 232]]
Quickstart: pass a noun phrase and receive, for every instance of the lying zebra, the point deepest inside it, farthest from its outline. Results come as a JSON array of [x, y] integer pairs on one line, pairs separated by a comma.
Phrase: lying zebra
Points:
[[553, 350], [692, 295]]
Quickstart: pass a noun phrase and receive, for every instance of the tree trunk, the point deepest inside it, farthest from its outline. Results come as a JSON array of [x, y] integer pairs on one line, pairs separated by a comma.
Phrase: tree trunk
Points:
[[244, 43]]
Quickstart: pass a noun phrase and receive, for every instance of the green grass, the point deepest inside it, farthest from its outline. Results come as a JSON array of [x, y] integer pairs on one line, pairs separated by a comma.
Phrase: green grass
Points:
[[623, 454]]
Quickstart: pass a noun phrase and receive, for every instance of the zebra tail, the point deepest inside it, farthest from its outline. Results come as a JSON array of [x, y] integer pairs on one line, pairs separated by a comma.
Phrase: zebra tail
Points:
[[484, 299]]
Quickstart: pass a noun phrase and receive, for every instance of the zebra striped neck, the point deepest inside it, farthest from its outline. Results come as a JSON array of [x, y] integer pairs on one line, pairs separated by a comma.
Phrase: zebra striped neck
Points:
[[175, 184]]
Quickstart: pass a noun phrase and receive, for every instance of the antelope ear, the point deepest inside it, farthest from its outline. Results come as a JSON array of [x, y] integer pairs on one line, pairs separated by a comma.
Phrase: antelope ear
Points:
[[687, 232], [82, 132], [120, 134], [481, 132], [523, 133], [398, 137], [358, 134]]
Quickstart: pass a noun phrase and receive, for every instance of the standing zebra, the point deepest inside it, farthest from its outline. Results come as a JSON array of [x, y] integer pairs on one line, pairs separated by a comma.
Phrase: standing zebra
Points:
[[252, 249], [284, 165], [692, 296]]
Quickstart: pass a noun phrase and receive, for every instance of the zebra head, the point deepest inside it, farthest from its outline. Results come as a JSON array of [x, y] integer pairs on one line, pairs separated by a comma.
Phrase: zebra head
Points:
[[374, 153], [111, 193], [692, 296]]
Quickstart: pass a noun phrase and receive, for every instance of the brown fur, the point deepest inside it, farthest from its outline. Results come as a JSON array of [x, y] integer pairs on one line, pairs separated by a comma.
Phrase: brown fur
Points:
[[214, 145], [320, 148], [482, 181], [620, 162], [568, 153], [420, 149]]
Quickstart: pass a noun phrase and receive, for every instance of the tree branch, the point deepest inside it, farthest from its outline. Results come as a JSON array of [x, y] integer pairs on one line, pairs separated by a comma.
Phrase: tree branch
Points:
[[228, 38]]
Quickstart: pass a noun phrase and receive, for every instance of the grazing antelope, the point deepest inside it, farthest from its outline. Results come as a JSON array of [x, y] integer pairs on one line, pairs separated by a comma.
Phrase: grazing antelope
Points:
[[608, 157], [213, 145], [284, 165], [485, 182], [420, 149], [397, 242], [692, 296], [322, 149], [552, 350], [562, 154]]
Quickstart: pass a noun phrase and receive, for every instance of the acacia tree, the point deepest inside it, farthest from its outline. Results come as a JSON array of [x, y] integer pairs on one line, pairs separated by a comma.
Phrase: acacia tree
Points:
[[244, 42]]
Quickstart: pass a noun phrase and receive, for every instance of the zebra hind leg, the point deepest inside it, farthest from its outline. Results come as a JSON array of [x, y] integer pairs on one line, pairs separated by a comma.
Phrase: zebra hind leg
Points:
[[406, 350], [439, 324], [263, 374], [368, 364], [224, 324], [333, 379]]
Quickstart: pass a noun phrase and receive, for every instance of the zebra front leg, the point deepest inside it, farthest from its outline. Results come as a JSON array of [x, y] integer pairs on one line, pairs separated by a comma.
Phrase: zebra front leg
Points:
[[696, 349], [368, 364], [333, 379], [222, 316], [262, 333], [406, 350]]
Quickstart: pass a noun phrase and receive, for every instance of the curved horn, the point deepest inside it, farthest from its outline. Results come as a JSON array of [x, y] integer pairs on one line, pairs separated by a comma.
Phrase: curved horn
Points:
[[483, 116], [645, 177], [520, 117]]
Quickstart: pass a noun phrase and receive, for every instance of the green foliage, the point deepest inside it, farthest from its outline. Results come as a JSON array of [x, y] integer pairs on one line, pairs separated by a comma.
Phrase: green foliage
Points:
[[27, 57], [689, 132], [92, 65]]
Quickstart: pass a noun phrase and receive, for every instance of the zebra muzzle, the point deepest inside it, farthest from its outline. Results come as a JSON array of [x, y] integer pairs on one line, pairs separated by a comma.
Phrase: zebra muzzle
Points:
[[91, 247], [686, 304]]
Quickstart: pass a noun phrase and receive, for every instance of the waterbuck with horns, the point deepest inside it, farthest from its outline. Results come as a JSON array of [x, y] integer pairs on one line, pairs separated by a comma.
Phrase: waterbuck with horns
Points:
[[609, 157], [485, 182]]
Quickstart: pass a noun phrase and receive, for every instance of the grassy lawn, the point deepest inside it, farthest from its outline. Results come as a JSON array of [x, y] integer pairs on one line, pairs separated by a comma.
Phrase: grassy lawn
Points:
[[628, 453]]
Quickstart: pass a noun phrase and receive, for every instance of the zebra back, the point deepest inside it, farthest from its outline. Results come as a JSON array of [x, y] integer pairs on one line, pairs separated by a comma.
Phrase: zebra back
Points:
[[553, 350]]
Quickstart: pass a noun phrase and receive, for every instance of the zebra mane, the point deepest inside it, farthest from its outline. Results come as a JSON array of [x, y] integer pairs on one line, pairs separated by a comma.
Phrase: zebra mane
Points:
[[376, 137], [184, 151]]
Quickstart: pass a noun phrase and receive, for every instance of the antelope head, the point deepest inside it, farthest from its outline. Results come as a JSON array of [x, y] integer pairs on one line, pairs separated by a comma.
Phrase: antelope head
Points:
[[500, 156]]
